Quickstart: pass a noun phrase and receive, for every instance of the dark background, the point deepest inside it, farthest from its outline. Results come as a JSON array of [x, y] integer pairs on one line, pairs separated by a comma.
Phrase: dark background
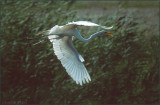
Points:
[[123, 68]]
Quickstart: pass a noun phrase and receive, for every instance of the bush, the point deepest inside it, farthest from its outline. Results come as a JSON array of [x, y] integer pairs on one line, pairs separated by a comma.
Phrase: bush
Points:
[[123, 68]]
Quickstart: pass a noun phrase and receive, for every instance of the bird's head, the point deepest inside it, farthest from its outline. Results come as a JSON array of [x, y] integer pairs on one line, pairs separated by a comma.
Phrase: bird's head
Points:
[[104, 33]]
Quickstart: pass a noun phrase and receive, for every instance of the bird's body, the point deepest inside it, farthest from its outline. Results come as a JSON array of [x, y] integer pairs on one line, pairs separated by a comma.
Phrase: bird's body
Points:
[[72, 61]]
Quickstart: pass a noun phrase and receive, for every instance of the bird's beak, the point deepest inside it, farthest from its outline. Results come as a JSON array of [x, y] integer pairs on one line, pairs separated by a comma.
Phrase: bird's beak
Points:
[[108, 33]]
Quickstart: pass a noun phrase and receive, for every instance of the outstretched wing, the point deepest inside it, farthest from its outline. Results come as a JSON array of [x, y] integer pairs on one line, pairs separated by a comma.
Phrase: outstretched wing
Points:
[[88, 23], [70, 58]]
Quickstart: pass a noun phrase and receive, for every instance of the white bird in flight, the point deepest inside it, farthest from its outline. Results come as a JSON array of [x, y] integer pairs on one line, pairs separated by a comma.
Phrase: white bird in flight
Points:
[[72, 61]]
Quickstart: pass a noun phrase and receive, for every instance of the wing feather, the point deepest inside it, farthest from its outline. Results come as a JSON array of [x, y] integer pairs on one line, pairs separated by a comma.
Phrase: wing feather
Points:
[[88, 23], [71, 60]]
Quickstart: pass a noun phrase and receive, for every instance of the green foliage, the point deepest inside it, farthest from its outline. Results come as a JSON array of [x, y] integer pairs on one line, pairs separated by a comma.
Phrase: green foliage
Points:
[[123, 68]]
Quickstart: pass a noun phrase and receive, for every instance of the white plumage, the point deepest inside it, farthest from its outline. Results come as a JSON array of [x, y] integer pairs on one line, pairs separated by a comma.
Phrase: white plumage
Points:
[[72, 61], [66, 53], [87, 23]]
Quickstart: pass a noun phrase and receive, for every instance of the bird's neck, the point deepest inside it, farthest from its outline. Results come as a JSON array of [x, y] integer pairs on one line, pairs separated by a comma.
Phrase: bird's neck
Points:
[[90, 38]]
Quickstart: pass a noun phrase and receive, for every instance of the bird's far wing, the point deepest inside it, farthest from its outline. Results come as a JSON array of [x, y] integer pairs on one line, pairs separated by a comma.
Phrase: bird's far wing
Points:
[[70, 58], [88, 23]]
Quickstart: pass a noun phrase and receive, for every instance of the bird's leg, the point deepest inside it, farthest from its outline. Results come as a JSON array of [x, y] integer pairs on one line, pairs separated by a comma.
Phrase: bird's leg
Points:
[[43, 32], [39, 42]]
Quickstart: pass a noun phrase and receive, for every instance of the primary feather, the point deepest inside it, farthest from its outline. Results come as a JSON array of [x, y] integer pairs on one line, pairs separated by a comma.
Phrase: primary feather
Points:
[[70, 58]]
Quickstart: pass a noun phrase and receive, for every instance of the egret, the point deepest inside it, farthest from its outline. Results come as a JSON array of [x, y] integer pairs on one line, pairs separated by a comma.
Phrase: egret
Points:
[[72, 61]]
